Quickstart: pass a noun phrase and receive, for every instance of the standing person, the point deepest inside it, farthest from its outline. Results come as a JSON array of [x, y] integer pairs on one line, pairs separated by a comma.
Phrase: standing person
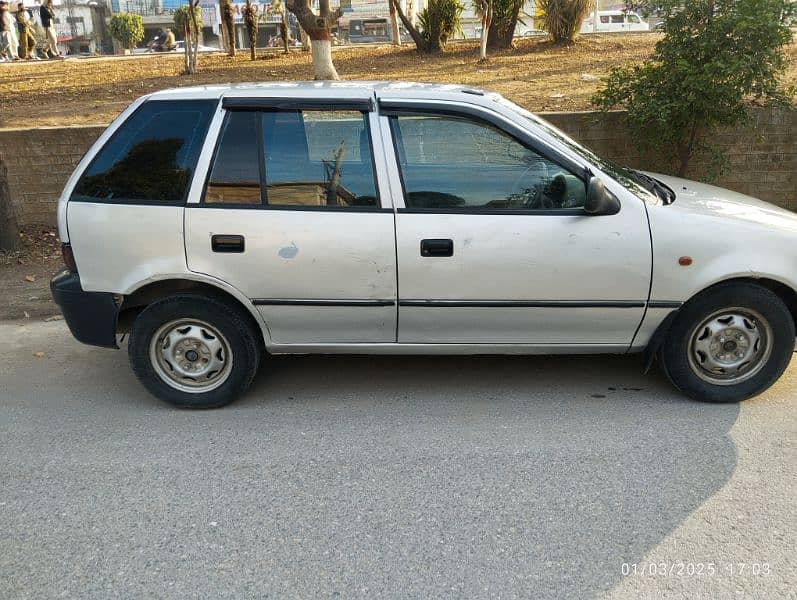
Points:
[[4, 27], [27, 42], [8, 33], [47, 16]]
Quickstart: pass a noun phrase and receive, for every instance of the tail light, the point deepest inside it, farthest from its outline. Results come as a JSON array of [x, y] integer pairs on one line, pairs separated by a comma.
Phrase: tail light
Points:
[[69, 257]]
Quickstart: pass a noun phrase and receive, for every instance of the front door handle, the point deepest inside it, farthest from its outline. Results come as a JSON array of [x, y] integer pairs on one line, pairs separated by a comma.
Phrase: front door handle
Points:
[[437, 248], [227, 243]]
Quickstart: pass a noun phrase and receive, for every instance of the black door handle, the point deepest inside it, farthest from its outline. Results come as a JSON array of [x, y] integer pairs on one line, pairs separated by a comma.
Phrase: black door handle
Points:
[[227, 243], [437, 248]]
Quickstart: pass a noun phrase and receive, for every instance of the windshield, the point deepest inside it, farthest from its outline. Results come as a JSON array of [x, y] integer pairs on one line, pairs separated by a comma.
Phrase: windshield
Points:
[[637, 182]]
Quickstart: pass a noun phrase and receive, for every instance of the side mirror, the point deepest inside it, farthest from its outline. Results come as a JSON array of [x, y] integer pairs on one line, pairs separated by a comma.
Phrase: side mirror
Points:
[[600, 201]]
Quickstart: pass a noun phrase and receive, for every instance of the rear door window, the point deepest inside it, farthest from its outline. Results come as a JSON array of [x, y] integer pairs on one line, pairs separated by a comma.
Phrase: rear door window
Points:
[[318, 158], [151, 158], [293, 159]]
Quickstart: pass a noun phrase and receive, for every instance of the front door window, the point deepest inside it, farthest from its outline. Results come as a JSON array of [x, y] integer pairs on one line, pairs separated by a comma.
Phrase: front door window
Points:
[[455, 164]]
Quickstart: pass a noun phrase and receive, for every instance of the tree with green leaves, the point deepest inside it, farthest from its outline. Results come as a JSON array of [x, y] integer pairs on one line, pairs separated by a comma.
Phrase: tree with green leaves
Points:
[[562, 18], [127, 29], [188, 19], [439, 21], [715, 57]]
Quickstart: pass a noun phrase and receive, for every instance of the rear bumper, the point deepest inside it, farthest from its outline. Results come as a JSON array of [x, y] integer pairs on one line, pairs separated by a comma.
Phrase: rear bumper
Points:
[[91, 316]]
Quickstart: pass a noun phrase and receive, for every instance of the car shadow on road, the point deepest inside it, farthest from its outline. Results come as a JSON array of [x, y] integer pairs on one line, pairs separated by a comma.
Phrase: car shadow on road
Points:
[[538, 476]]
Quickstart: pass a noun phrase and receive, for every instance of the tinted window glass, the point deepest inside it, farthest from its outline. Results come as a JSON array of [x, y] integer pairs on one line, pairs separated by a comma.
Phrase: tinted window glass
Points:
[[235, 176], [151, 157], [617, 18], [458, 164], [318, 158], [633, 19]]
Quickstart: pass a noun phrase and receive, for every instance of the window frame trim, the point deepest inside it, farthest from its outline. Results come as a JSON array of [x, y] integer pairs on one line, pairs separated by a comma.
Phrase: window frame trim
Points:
[[398, 109], [212, 104], [289, 105]]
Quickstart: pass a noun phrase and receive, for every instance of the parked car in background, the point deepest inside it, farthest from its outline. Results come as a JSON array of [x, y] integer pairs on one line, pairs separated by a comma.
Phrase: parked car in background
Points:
[[615, 20], [220, 225]]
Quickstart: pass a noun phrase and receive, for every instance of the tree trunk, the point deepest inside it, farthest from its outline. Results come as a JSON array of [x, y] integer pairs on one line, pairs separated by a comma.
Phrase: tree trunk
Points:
[[487, 20], [228, 20], [421, 45], [322, 59], [317, 28], [194, 46], [501, 40], [187, 49], [686, 148], [251, 21], [284, 31], [394, 26], [9, 229]]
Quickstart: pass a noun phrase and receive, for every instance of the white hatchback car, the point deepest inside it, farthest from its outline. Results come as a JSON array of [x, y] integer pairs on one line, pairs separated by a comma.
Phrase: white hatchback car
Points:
[[221, 224]]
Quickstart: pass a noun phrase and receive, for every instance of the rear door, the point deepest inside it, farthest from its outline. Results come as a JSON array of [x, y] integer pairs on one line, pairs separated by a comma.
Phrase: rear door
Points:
[[494, 246], [291, 215]]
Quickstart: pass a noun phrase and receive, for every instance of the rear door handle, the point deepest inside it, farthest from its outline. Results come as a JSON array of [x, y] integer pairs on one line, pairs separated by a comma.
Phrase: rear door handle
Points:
[[227, 243], [437, 248]]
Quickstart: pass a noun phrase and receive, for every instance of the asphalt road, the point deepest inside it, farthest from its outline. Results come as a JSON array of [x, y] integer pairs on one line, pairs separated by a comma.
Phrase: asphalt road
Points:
[[360, 477]]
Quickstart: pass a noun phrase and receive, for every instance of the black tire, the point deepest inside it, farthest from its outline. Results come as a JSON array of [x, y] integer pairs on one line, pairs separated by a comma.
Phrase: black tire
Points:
[[226, 318], [674, 352]]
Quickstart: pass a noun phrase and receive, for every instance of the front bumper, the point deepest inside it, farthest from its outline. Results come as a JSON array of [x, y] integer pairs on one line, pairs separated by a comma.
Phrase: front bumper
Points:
[[91, 316]]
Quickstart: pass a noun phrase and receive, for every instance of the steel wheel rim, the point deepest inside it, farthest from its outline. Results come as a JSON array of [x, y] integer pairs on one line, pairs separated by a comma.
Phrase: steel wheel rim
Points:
[[191, 356], [730, 346]]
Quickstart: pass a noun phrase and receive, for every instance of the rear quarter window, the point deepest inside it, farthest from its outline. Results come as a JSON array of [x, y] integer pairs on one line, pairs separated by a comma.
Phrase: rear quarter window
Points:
[[151, 158]]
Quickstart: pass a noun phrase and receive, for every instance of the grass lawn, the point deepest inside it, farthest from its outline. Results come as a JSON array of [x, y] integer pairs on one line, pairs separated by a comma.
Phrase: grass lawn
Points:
[[536, 74]]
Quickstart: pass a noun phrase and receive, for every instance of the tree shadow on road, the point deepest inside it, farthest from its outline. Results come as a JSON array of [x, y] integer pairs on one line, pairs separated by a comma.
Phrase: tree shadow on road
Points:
[[533, 476]]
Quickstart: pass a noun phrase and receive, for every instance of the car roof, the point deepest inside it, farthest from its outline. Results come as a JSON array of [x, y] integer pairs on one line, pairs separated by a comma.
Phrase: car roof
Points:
[[330, 89]]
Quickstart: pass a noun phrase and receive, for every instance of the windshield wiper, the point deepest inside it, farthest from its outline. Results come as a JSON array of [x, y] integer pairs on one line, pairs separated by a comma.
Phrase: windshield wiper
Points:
[[654, 185]]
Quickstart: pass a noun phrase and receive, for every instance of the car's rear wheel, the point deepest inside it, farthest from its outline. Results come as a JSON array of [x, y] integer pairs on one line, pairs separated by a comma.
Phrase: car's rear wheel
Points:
[[194, 351], [729, 343]]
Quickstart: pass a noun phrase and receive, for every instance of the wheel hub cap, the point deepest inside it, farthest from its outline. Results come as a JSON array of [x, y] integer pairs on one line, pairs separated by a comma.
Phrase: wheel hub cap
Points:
[[730, 346], [191, 356]]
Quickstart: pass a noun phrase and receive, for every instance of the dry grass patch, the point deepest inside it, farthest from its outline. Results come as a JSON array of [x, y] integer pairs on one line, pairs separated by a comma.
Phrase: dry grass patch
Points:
[[537, 74]]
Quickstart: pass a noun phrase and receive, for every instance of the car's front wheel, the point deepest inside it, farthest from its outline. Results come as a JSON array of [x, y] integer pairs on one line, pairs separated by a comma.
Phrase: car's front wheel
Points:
[[729, 343], [194, 351]]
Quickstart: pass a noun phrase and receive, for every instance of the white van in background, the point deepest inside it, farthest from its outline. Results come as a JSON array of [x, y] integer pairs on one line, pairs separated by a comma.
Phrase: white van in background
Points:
[[615, 20]]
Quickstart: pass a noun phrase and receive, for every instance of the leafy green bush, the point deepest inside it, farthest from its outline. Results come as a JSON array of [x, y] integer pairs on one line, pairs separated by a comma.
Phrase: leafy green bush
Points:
[[716, 56], [127, 28], [562, 18], [439, 21]]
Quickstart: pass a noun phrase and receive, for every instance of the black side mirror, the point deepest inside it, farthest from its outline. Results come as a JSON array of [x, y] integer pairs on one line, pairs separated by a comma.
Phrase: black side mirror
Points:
[[600, 201]]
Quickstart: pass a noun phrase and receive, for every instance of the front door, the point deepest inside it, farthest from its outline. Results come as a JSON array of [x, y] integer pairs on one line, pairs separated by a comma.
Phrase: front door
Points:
[[494, 246], [290, 215]]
